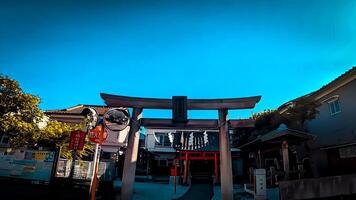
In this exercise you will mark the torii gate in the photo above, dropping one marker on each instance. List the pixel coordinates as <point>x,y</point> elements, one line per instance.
<point>180,108</point>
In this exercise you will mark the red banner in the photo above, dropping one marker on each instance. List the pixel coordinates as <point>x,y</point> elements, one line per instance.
<point>77,140</point>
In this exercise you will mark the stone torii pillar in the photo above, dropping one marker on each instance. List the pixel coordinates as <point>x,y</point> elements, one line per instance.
<point>128,177</point>
<point>225,157</point>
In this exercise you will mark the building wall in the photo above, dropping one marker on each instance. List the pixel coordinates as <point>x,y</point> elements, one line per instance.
<point>163,156</point>
<point>333,130</point>
<point>339,128</point>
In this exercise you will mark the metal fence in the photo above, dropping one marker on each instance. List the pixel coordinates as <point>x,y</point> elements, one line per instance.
<point>36,165</point>
<point>84,169</point>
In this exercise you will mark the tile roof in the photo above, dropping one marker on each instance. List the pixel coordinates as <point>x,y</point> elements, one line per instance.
<point>77,110</point>
<point>351,72</point>
<point>281,132</point>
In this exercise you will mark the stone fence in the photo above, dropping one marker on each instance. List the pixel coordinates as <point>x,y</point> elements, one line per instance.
<point>318,187</point>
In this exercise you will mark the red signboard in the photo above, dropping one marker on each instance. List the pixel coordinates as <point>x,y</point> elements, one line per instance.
<point>77,140</point>
<point>98,134</point>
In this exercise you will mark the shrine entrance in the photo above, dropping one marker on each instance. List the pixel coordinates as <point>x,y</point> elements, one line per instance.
<point>202,171</point>
<point>203,165</point>
<point>180,106</point>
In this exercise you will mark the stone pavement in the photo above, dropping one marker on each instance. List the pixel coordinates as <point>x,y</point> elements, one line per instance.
<point>198,192</point>
<point>239,193</point>
<point>154,191</point>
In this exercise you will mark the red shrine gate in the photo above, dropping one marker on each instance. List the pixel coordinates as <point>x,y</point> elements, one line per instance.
<point>179,106</point>
<point>188,156</point>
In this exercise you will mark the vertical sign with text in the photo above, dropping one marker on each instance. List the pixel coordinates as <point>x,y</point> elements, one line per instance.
<point>77,140</point>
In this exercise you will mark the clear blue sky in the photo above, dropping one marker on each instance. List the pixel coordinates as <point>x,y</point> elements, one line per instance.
<point>67,52</point>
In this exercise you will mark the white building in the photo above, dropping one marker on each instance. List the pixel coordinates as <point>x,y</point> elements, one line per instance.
<point>157,142</point>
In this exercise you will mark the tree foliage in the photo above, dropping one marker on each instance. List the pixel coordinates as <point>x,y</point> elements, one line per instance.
<point>295,115</point>
<point>19,112</point>
<point>267,120</point>
<point>299,111</point>
<point>24,121</point>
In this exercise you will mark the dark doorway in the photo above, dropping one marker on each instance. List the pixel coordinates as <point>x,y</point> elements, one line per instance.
<point>202,181</point>
<point>202,171</point>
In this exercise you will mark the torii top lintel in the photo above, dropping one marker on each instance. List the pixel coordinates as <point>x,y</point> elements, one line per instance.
<point>192,104</point>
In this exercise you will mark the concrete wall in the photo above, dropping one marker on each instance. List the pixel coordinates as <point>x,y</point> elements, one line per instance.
<point>319,161</point>
<point>318,187</point>
<point>339,128</point>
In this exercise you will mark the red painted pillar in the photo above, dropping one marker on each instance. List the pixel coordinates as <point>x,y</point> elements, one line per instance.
<point>186,168</point>
<point>175,178</point>
<point>216,168</point>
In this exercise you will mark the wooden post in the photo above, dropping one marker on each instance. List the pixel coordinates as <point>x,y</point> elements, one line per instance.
<point>128,177</point>
<point>259,159</point>
<point>57,155</point>
<point>216,172</point>
<point>186,169</point>
<point>225,157</point>
<point>285,159</point>
<point>94,178</point>
<point>72,168</point>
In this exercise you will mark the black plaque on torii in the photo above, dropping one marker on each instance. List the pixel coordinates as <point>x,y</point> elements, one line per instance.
<point>179,109</point>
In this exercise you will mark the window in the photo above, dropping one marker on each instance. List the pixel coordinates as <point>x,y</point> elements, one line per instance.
<point>4,139</point>
<point>162,140</point>
<point>162,163</point>
<point>334,107</point>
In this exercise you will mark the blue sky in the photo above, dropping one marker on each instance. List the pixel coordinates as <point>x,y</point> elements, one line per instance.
<point>67,52</point>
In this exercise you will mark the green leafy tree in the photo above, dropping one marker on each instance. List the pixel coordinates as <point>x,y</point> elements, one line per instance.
<point>295,116</point>
<point>25,123</point>
<point>267,120</point>
<point>299,111</point>
<point>19,112</point>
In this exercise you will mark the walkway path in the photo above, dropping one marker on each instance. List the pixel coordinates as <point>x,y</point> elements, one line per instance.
<point>198,192</point>
<point>154,191</point>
